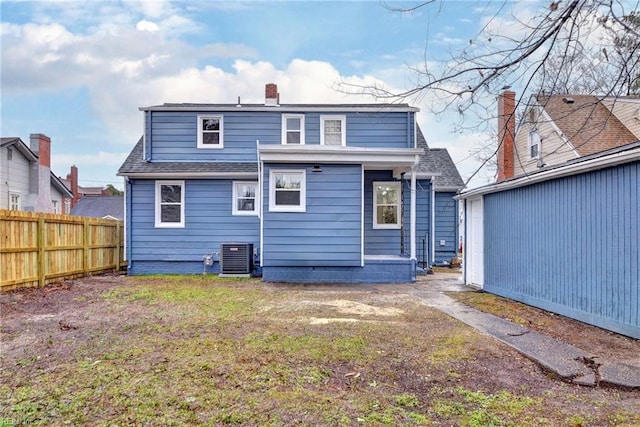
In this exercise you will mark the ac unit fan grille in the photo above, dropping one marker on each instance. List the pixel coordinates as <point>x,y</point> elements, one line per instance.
<point>236,258</point>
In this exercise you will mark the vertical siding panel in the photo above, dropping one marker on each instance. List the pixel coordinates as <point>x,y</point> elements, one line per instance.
<point>570,245</point>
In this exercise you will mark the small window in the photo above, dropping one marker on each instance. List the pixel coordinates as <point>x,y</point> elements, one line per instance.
<point>15,201</point>
<point>333,130</point>
<point>210,132</point>
<point>386,204</point>
<point>56,206</point>
<point>534,144</point>
<point>287,191</point>
<point>9,154</point>
<point>293,129</point>
<point>245,201</point>
<point>169,203</point>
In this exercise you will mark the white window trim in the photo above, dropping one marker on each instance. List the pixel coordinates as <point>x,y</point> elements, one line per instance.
<point>19,196</point>
<point>532,132</point>
<point>396,184</point>
<point>302,207</point>
<point>158,222</point>
<point>235,210</point>
<point>284,127</point>
<point>56,206</point>
<point>343,119</point>
<point>221,131</point>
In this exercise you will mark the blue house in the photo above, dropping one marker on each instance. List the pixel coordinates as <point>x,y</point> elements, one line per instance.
<point>565,238</point>
<point>297,193</point>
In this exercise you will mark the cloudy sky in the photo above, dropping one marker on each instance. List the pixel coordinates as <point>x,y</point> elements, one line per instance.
<point>78,71</point>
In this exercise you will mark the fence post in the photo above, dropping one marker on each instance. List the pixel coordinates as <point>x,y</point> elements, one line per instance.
<point>85,246</point>
<point>41,243</point>
<point>117,248</point>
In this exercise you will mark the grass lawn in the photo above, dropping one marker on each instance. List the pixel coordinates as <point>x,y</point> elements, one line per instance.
<point>192,350</point>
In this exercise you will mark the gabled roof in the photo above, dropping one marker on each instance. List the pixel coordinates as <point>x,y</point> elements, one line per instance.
<point>135,166</point>
<point>586,122</point>
<point>23,148</point>
<point>19,145</point>
<point>100,207</point>
<point>437,163</point>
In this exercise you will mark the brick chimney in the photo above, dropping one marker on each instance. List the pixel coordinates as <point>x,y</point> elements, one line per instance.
<point>39,199</point>
<point>271,95</point>
<point>72,177</point>
<point>506,134</point>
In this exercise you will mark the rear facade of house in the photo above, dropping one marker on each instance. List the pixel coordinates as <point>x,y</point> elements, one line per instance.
<point>301,193</point>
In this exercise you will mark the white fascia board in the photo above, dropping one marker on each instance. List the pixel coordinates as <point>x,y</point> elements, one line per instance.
<point>285,108</point>
<point>345,155</point>
<point>558,172</point>
<point>190,175</point>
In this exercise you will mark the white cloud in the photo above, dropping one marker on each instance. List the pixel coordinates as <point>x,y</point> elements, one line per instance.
<point>145,25</point>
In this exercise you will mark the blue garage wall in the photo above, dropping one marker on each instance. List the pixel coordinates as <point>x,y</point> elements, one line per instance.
<point>328,233</point>
<point>570,246</point>
<point>208,223</point>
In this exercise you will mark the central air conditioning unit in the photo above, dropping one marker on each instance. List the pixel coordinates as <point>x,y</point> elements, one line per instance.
<point>236,259</point>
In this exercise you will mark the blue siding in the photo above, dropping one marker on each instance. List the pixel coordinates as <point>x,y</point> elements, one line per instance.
<point>328,233</point>
<point>208,223</point>
<point>423,220</point>
<point>570,245</point>
<point>172,136</point>
<point>378,241</point>
<point>446,223</point>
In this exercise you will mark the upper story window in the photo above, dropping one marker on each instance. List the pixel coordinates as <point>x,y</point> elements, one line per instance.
<point>169,203</point>
<point>333,130</point>
<point>386,204</point>
<point>210,132</point>
<point>534,144</point>
<point>56,206</point>
<point>245,201</point>
<point>15,201</point>
<point>9,154</point>
<point>287,191</point>
<point>293,129</point>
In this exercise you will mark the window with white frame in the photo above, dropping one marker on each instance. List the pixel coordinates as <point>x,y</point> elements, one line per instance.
<point>287,191</point>
<point>15,201</point>
<point>170,203</point>
<point>293,129</point>
<point>210,132</point>
<point>245,201</point>
<point>56,206</point>
<point>534,144</point>
<point>333,130</point>
<point>386,204</point>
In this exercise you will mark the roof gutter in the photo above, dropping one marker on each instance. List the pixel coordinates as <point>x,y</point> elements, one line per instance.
<point>557,172</point>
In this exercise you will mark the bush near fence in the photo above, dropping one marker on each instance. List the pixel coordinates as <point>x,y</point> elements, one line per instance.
<point>38,248</point>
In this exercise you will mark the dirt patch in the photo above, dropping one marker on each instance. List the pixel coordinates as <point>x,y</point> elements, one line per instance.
<point>188,350</point>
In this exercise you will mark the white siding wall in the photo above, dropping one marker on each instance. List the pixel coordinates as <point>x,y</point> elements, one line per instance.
<point>14,176</point>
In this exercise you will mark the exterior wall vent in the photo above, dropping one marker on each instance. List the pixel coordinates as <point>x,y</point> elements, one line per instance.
<point>236,259</point>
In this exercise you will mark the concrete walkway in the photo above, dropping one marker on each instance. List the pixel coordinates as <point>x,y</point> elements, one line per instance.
<point>564,360</point>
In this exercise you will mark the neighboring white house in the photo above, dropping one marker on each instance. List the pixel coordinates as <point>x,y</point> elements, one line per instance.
<point>26,180</point>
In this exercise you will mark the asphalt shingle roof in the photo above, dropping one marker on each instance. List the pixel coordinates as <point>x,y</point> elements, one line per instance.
<point>586,122</point>
<point>100,206</point>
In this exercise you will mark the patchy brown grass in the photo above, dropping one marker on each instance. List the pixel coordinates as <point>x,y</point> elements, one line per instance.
<point>197,350</point>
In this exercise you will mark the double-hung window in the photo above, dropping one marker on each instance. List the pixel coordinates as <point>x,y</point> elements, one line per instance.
<point>287,191</point>
<point>333,130</point>
<point>245,201</point>
<point>170,203</point>
<point>534,144</point>
<point>56,206</point>
<point>293,129</point>
<point>15,202</point>
<point>386,204</point>
<point>210,132</point>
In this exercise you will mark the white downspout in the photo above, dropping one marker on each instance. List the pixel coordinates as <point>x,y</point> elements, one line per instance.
<point>413,209</point>
<point>261,197</point>
<point>433,221</point>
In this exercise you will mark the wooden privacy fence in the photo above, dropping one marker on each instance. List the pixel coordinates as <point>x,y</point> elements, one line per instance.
<point>39,248</point>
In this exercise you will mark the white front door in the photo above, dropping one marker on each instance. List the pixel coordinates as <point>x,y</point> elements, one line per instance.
<point>475,243</point>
